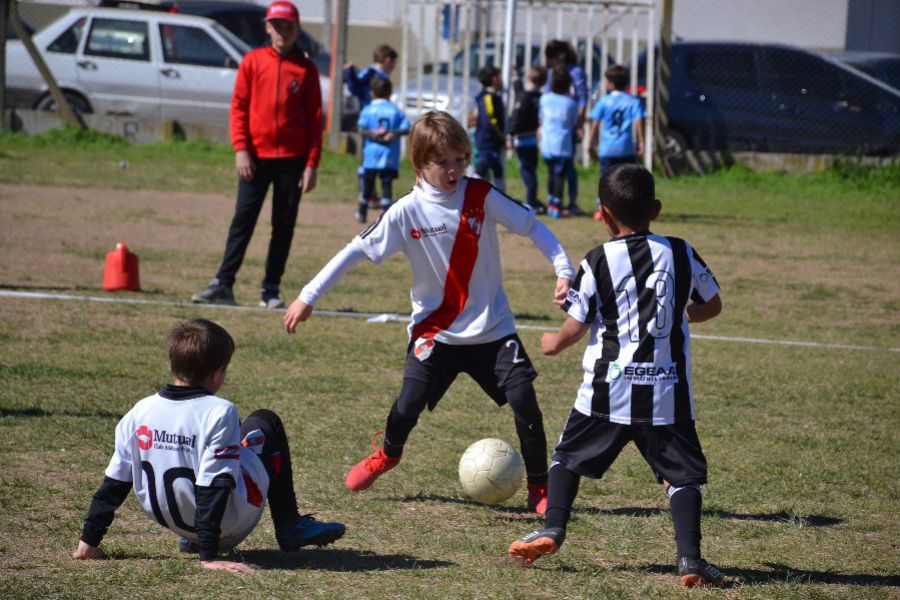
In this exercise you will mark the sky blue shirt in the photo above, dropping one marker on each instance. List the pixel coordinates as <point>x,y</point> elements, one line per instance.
<point>618,111</point>
<point>381,113</point>
<point>559,118</point>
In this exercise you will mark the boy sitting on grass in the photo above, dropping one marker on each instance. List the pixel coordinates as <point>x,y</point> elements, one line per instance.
<point>461,321</point>
<point>636,295</point>
<point>195,469</point>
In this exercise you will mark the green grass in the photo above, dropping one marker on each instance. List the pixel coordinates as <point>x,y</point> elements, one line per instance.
<point>803,492</point>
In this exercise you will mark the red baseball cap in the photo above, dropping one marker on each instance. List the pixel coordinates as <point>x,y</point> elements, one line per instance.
<point>283,10</point>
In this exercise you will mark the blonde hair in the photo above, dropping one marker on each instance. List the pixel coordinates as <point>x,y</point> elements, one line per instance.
<point>432,132</point>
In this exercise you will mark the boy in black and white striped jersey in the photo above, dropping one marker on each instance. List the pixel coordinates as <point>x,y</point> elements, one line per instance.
<point>636,295</point>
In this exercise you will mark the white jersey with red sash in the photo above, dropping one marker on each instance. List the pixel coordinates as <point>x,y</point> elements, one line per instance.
<point>451,241</point>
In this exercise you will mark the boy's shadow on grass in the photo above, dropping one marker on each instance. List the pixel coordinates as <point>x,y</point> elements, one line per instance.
<point>338,559</point>
<point>421,497</point>
<point>779,517</point>
<point>778,573</point>
<point>632,511</point>
<point>34,411</point>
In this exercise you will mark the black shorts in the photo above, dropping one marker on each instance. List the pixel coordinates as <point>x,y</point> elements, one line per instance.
<point>495,366</point>
<point>589,445</point>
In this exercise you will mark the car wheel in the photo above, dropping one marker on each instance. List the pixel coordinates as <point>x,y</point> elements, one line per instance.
<point>78,104</point>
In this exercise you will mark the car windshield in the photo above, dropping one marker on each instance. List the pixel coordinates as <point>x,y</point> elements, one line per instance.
<point>236,42</point>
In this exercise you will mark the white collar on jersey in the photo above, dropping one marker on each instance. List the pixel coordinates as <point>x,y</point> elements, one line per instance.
<point>433,194</point>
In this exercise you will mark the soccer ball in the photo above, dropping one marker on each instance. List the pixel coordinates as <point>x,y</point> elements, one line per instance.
<point>491,471</point>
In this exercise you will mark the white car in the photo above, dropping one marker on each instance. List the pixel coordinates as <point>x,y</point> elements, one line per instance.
<point>146,64</point>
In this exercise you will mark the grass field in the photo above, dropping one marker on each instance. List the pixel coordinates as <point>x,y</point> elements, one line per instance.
<point>801,440</point>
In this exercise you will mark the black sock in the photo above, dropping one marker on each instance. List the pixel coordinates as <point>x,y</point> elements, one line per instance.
<point>685,505</point>
<point>562,489</point>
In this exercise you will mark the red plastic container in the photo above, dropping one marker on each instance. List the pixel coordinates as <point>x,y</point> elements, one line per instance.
<point>121,270</point>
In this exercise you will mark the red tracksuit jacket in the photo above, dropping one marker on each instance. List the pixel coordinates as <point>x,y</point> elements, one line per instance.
<point>276,107</point>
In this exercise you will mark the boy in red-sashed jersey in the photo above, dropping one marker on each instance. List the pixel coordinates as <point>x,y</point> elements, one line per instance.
<point>461,321</point>
<point>195,468</point>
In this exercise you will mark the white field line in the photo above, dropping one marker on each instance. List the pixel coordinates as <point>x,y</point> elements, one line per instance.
<point>395,318</point>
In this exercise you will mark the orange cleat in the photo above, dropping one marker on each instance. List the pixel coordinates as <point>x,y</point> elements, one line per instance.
<point>543,542</point>
<point>365,472</point>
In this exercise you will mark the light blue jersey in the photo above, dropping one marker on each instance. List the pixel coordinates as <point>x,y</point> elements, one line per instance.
<point>559,118</point>
<point>618,111</point>
<point>381,114</point>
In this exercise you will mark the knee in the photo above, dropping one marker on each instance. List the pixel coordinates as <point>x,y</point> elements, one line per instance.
<point>523,401</point>
<point>264,419</point>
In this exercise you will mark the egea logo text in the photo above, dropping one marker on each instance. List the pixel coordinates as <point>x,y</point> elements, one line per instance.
<point>145,437</point>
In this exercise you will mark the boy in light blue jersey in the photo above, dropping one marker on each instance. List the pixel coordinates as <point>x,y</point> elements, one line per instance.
<point>384,59</point>
<point>622,118</point>
<point>381,124</point>
<point>559,126</point>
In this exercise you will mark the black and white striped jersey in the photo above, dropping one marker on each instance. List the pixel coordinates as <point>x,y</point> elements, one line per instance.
<point>633,291</point>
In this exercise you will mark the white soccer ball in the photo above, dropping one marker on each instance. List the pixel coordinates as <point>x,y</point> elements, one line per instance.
<point>491,471</point>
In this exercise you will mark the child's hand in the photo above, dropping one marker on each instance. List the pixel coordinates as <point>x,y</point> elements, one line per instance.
<point>87,552</point>
<point>549,343</point>
<point>562,290</point>
<point>225,565</point>
<point>388,136</point>
<point>297,312</point>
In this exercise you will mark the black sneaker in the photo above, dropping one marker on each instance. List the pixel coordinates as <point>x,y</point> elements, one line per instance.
<point>188,545</point>
<point>216,293</point>
<point>306,531</point>
<point>539,207</point>
<point>697,572</point>
<point>542,542</point>
<point>270,300</point>
<point>360,214</point>
<point>575,210</point>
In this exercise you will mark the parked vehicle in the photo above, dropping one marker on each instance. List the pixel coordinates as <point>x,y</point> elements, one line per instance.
<point>775,98</point>
<point>244,19</point>
<point>884,66</point>
<point>11,32</point>
<point>148,64</point>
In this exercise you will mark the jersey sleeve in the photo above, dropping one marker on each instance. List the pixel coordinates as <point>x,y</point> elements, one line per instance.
<point>581,301</point>
<point>402,121</point>
<point>221,453</point>
<point>597,112</point>
<point>382,239</point>
<point>122,462</point>
<point>704,282</point>
<point>513,215</point>
<point>363,120</point>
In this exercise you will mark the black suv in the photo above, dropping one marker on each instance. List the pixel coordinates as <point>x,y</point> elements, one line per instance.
<point>765,97</point>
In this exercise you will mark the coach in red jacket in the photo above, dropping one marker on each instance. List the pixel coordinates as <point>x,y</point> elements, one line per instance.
<point>276,132</point>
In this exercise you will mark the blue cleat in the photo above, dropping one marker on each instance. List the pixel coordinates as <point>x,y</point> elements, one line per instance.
<point>306,531</point>
<point>188,545</point>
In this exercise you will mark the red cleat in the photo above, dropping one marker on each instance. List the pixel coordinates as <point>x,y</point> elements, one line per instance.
<point>537,497</point>
<point>365,472</point>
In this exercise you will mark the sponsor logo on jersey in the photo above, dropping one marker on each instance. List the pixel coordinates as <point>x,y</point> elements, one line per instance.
<point>642,373</point>
<point>226,453</point>
<point>295,87</point>
<point>144,437</point>
<point>163,440</point>
<point>424,232</point>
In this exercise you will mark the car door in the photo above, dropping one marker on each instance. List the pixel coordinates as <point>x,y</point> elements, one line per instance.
<point>818,107</point>
<point>197,75</point>
<point>716,99</point>
<point>116,68</point>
